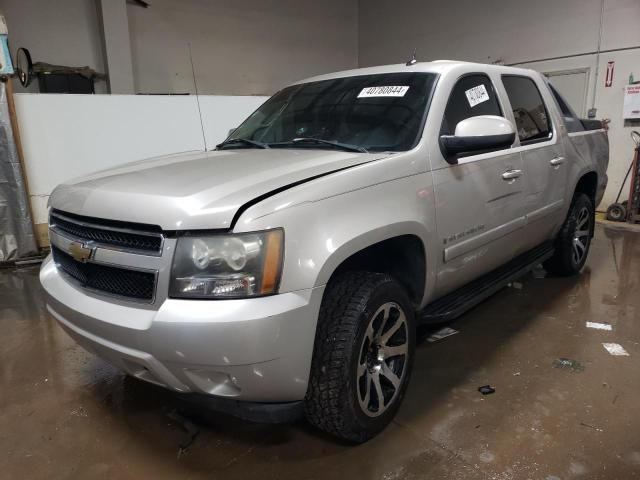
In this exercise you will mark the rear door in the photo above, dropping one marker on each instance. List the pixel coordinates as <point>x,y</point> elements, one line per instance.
<point>544,163</point>
<point>479,213</point>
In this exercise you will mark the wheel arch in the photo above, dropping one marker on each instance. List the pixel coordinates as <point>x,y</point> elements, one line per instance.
<point>588,184</point>
<point>403,256</point>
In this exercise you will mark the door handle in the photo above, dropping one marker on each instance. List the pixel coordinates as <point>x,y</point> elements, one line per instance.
<point>511,174</point>
<point>557,161</point>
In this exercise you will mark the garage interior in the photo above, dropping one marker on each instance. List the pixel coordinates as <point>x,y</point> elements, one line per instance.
<point>175,76</point>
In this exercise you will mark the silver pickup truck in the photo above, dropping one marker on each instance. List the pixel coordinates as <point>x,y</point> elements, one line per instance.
<point>285,273</point>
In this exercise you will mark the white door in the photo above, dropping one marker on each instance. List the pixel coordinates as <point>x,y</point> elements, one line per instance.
<point>572,85</point>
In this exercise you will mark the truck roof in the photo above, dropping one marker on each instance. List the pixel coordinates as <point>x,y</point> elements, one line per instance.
<point>436,66</point>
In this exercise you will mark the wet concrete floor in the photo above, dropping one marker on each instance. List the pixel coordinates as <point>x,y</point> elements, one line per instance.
<point>67,414</point>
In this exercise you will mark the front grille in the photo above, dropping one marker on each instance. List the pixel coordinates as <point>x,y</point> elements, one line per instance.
<point>120,235</point>
<point>112,280</point>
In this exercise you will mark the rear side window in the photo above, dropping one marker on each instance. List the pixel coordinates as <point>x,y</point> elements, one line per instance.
<point>471,96</point>
<point>532,119</point>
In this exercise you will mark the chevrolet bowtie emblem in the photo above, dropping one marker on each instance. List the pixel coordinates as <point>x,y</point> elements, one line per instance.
<point>80,252</point>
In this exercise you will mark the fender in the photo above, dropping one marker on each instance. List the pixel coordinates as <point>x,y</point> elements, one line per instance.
<point>322,233</point>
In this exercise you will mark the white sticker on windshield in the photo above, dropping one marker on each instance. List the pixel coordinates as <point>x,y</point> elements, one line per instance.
<point>396,91</point>
<point>477,95</point>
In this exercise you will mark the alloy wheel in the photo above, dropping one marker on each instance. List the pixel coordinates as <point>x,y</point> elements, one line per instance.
<point>383,359</point>
<point>581,235</point>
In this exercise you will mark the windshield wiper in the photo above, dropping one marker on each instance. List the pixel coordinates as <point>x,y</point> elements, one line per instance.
<point>244,141</point>
<point>302,140</point>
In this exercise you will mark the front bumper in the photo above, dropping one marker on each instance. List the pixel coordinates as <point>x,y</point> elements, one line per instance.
<point>254,350</point>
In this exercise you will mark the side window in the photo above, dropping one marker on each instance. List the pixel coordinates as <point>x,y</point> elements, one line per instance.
<point>473,95</point>
<point>532,120</point>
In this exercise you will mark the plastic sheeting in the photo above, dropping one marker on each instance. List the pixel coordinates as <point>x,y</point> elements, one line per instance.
<point>16,231</point>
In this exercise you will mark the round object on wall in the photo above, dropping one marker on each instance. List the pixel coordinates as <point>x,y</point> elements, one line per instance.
<point>24,66</point>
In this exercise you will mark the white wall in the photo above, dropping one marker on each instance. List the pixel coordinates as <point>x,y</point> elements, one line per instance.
<point>66,136</point>
<point>240,47</point>
<point>63,32</point>
<point>517,31</point>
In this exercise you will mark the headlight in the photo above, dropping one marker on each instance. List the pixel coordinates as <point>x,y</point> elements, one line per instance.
<point>227,266</point>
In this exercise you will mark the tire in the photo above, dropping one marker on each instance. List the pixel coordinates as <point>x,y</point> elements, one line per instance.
<point>346,362</point>
<point>617,212</point>
<point>574,239</point>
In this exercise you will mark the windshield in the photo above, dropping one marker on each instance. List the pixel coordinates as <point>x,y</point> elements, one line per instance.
<point>382,112</point>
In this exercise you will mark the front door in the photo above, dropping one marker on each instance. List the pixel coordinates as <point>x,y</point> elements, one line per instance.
<point>478,201</point>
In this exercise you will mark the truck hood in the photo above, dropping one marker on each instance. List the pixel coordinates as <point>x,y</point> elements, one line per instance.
<point>196,190</point>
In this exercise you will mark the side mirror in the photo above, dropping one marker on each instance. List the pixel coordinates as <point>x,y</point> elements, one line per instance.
<point>483,133</point>
<point>231,131</point>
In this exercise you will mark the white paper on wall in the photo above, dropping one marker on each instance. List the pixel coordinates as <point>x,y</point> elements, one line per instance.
<point>631,107</point>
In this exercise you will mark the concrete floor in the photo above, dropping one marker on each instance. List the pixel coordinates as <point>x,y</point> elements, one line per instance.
<point>66,414</point>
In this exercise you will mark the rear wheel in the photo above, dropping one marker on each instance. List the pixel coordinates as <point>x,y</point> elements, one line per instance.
<point>362,356</point>
<point>573,241</point>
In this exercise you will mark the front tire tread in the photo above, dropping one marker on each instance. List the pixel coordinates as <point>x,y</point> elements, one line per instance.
<point>329,403</point>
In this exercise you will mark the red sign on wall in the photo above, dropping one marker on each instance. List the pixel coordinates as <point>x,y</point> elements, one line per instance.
<point>608,79</point>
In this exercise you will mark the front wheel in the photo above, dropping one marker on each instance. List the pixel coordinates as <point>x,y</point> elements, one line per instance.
<point>573,241</point>
<point>362,356</point>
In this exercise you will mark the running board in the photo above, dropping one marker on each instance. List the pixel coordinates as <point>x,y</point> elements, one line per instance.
<point>454,304</point>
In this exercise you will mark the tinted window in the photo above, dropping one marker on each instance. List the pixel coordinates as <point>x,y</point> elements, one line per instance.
<point>473,95</point>
<point>378,112</point>
<point>529,111</point>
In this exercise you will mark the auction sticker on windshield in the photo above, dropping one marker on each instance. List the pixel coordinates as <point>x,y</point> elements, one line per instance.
<point>390,91</point>
<point>477,95</point>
